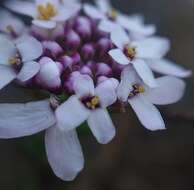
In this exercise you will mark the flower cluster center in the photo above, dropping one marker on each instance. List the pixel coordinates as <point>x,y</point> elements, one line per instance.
<point>92,102</point>
<point>113,14</point>
<point>137,89</point>
<point>15,61</point>
<point>46,12</point>
<point>130,52</point>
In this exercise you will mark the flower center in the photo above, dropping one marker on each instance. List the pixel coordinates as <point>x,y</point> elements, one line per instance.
<point>92,102</point>
<point>130,52</point>
<point>46,12</point>
<point>112,14</point>
<point>15,61</point>
<point>137,89</point>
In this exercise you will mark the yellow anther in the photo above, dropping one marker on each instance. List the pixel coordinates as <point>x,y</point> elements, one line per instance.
<point>95,101</point>
<point>141,89</point>
<point>46,12</point>
<point>131,52</point>
<point>15,61</point>
<point>113,14</point>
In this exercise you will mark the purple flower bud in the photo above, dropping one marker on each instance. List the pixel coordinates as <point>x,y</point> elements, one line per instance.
<point>52,49</point>
<point>103,46</point>
<point>103,69</point>
<point>67,61</point>
<point>76,58</point>
<point>87,52</point>
<point>83,27</point>
<point>86,70</point>
<point>73,40</point>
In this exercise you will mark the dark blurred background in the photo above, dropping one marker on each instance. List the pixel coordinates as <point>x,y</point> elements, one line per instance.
<point>136,159</point>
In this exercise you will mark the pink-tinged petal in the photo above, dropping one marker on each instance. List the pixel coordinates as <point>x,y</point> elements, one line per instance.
<point>28,71</point>
<point>45,24</point>
<point>129,77</point>
<point>101,126</point>
<point>93,12</point>
<point>167,67</point>
<point>107,26</point>
<point>49,73</point>
<point>64,153</point>
<point>83,85</point>
<point>7,50</point>
<point>147,113</point>
<point>71,114</point>
<point>169,91</point>
<point>120,38</point>
<point>144,72</point>
<point>106,91</point>
<point>18,120</point>
<point>119,56</point>
<point>7,75</point>
<point>153,47</point>
<point>104,5</point>
<point>29,48</point>
<point>22,7</point>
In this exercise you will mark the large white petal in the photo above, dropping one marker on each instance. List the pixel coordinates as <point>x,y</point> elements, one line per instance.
<point>46,24</point>
<point>18,120</point>
<point>93,12</point>
<point>107,26</point>
<point>120,38</point>
<point>169,90</point>
<point>167,67</point>
<point>28,71</point>
<point>64,153</point>
<point>104,5</point>
<point>144,72</point>
<point>101,126</point>
<point>147,113</point>
<point>71,114</point>
<point>153,47</point>
<point>7,75</point>
<point>29,48</point>
<point>106,91</point>
<point>22,7</point>
<point>7,50</point>
<point>83,85</point>
<point>119,56</point>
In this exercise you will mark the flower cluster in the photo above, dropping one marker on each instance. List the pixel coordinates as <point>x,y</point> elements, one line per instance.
<point>87,58</point>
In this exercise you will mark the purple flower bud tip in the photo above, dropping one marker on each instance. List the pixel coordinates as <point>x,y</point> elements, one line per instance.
<point>76,58</point>
<point>86,70</point>
<point>83,27</point>
<point>87,52</point>
<point>73,40</point>
<point>103,46</point>
<point>67,61</point>
<point>103,69</point>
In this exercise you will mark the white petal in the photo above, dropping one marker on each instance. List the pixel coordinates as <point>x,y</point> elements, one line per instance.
<point>167,67</point>
<point>83,85</point>
<point>119,56</point>
<point>120,38</point>
<point>104,5</point>
<point>107,26</point>
<point>29,48</point>
<point>28,71</point>
<point>7,75</point>
<point>106,91</point>
<point>18,120</point>
<point>64,153</point>
<point>101,126</point>
<point>144,72</point>
<point>129,77</point>
<point>153,47</point>
<point>7,50</point>
<point>22,7</point>
<point>93,12</point>
<point>71,114</point>
<point>45,24</point>
<point>169,90</point>
<point>147,113</point>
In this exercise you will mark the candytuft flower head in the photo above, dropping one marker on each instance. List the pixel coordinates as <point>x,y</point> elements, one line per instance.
<point>85,60</point>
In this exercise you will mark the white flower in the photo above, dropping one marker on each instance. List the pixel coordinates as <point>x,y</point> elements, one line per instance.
<point>49,73</point>
<point>10,24</point>
<point>137,52</point>
<point>111,19</point>
<point>89,104</point>
<point>17,59</point>
<point>142,98</point>
<point>63,148</point>
<point>45,13</point>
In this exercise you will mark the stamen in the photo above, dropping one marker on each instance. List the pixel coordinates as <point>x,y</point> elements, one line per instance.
<point>46,12</point>
<point>137,89</point>
<point>92,102</point>
<point>15,61</point>
<point>130,52</point>
<point>113,14</point>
